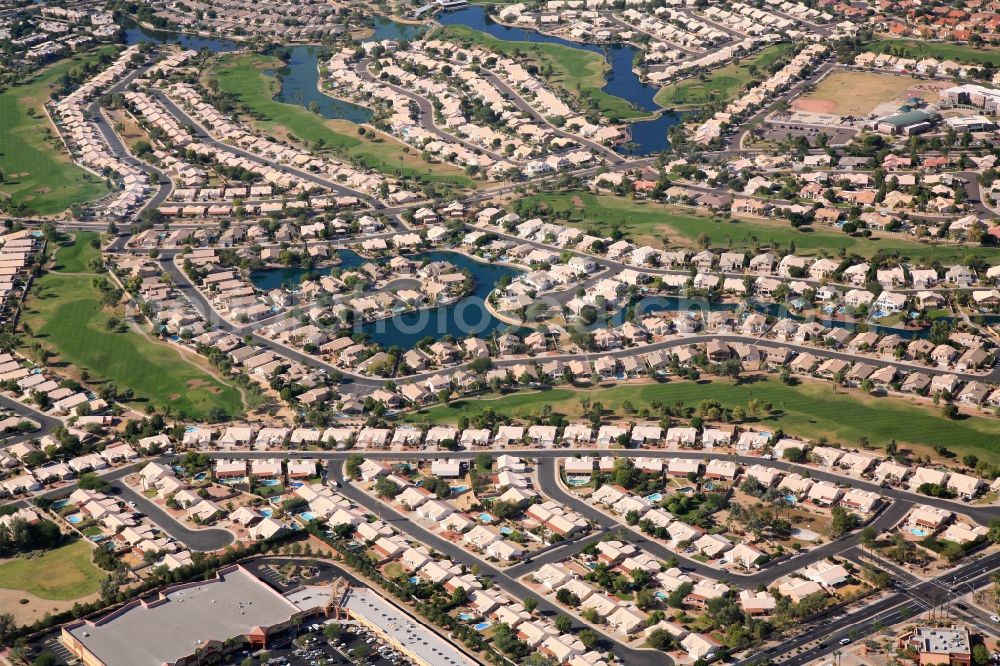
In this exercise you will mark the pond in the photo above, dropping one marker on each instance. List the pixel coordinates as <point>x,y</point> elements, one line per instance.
<point>135,34</point>
<point>648,136</point>
<point>299,80</point>
<point>386,28</point>
<point>468,316</point>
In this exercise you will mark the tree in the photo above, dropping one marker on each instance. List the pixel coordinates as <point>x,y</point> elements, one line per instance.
<point>530,604</point>
<point>45,658</point>
<point>980,655</point>
<point>793,454</point>
<point>868,536</point>
<point>386,488</point>
<point>564,624</point>
<point>90,481</point>
<point>842,521</point>
<point>676,598</point>
<point>8,628</point>
<point>353,466</point>
<point>660,639</point>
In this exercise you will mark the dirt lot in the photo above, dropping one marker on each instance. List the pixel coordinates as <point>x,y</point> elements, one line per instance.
<point>860,93</point>
<point>36,608</point>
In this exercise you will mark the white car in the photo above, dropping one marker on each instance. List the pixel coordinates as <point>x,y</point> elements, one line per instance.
<point>845,641</point>
<point>132,504</point>
<point>995,618</point>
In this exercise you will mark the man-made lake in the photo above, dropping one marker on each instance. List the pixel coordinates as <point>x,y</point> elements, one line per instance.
<point>299,80</point>
<point>649,136</point>
<point>386,28</point>
<point>468,316</point>
<point>135,34</point>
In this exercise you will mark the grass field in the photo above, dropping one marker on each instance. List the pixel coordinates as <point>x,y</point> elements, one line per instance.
<point>575,70</point>
<point>242,76</point>
<point>847,93</point>
<point>721,84</point>
<point>36,168</point>
<point>665,225</point>
<point>64,573</point>
<point>66,316</point>
<point>810,409</point>
<point>940,50</point>
<point>74,257</point>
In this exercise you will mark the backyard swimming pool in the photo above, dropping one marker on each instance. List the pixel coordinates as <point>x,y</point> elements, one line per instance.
<point>654,497</point>
<point>58,504</point>
<point>75,518</point>
<point>270,482</point>
<point>916,531</point>
<point>482,626</point>
<point>458,490</point>
<point>485,518</point>
<point>267,513</point>
<point>578,480</point>
<point>307,515</point>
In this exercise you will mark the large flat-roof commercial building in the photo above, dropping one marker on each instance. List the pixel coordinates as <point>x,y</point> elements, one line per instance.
<point>908,123</point>
<point>185,622</point>
<point>420,644</point>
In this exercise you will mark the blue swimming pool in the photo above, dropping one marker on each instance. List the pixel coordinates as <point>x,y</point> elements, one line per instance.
<point>485,518</point>
<point>466,617</point>
<point>307,515</point>
<point>459,489</point>
<point>654,497</point>
<point>75,518</point>
<point>267,513</point>
<point>661,596</point>
<point>58,504</point>
<point>709,486</point>
<point>200,476</point>
<point>482,626</point>
<point>506,530</point>
<point>414,579</point>
<point>270,482</point>
<point>916,531</point>
<point>578,480</point>
<point>791,499</point>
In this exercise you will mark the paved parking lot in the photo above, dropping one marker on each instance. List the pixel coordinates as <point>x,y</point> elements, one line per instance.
<point>317,651</point>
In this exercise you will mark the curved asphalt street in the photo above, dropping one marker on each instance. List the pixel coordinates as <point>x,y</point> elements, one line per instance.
<point>46,424</point>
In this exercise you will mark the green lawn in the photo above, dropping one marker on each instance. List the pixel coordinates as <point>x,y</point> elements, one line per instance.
<point>665,225</point>
<point>578,71</point>
<point>66,316</point>
<point>721,84</point>
<point>75,257</point>
<point>36,169</point>
<point>940,50</point>
<point>63,574</point>
<point>811,410</point>
<point>242,75</point>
